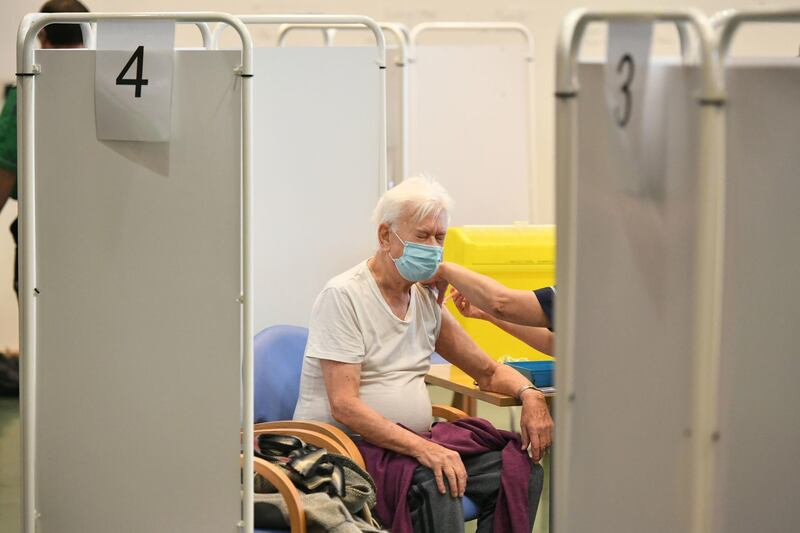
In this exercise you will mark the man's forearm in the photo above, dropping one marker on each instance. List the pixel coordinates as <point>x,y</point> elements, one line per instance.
<point>505,380</point>
<point>362,419</point>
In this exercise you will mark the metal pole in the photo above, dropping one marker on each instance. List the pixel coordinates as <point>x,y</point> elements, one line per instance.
<point>728,23</point>
<point>89,32</point>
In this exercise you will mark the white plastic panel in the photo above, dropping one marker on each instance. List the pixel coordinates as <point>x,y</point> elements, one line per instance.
<point>628,453</point>
<point>758,468</point>
<point>469,128</point>
<point>316,173</point>
<point>139,327</point>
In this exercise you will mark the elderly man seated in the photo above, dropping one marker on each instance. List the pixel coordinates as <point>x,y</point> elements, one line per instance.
<point>372,332</point>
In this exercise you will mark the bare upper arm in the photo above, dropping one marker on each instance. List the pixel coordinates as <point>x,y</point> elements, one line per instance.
<point>342,380</point>
<point>455,345</point>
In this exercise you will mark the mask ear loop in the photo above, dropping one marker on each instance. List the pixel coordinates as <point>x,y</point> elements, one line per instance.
<point>398,238</point>
<point>404,248</point>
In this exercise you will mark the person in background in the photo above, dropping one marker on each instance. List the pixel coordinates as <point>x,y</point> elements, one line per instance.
<point>53,36</point>
<point>527,315</point>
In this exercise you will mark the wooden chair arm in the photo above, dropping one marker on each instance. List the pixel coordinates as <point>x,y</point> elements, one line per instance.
<point>323,428</point>
<point>308,436</point>
<point>451,414</point>
<point>285,487</point>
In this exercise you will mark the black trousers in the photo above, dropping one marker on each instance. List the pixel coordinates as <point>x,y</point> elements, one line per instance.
<point>433,512</point>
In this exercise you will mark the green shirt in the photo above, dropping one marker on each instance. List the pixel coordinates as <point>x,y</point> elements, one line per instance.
<point>8,136</point>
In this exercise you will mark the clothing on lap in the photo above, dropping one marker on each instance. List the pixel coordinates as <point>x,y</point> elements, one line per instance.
<point>520,480</point>
<point>431,511</point>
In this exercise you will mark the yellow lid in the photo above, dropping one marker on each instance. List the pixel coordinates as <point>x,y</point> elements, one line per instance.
<point>501,246</point>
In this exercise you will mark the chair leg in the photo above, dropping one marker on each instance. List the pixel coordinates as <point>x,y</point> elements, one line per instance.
<point>466,403</point>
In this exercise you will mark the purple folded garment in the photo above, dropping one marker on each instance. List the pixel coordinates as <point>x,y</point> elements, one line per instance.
<point>392,473</point>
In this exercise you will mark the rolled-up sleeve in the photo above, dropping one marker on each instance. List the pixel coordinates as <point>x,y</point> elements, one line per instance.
<point>547,297</point>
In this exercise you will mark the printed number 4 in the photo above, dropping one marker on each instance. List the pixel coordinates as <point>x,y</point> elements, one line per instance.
<point>624,114</point>
<point>138,81</point>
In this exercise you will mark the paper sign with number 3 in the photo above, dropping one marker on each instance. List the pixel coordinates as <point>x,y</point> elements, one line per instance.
<point>625,85</point>
<point>133,80</point>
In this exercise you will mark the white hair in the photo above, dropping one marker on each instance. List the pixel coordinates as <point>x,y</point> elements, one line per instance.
<point>415,198</point>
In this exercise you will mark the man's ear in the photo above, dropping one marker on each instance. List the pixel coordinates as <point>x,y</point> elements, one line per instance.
<point>384,234</point>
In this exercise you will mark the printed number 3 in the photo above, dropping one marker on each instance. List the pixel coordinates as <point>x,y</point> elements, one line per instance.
<point>624,111</point>
<point>138,81</point>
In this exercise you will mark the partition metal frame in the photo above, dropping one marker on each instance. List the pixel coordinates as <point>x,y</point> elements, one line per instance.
<point>708,303</point>
<point>728,22</point>
<point>89,31</point>
<point>331,20</point>
<point>513,27</point>
<point>27,70</point>
<point>423,27</point>
<point>402,37</point>
<point>400,31</point>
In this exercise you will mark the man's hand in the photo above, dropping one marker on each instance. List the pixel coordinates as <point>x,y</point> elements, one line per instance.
<point>465,307</point>
<point>444,463</point>
<point>536,425</point>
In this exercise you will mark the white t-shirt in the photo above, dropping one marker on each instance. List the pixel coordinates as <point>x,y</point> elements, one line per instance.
<point>352,323</point>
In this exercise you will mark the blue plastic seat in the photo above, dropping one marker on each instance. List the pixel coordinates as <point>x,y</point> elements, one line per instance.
<point>277,363</point>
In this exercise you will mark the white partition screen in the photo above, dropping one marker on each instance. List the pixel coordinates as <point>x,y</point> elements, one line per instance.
<point>469,126</point>
<point>635,272</point>
<point>758,471</point>
<point>317,173</point>
<point>138,328</point>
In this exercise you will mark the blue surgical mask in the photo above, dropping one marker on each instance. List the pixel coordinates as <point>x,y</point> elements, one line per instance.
<point>419,261</point>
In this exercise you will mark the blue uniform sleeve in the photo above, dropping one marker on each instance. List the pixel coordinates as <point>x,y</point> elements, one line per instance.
<point>547,297</point>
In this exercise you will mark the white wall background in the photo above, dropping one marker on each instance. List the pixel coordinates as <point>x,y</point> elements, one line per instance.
<point>541,16</point>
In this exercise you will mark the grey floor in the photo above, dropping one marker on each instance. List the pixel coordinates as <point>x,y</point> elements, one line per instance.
<point>10,461</point>
<point>9,465</point>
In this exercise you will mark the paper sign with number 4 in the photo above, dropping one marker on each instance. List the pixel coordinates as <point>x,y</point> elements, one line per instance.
<point>133,80</point>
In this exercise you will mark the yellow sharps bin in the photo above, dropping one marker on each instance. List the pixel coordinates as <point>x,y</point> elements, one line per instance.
<point>520,257</point>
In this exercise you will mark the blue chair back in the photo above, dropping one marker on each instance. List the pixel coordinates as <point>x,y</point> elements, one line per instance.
<point>277,362</point>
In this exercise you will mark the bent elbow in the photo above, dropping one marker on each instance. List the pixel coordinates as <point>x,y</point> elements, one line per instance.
<point>485,376</point>
<point>340,411</point>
